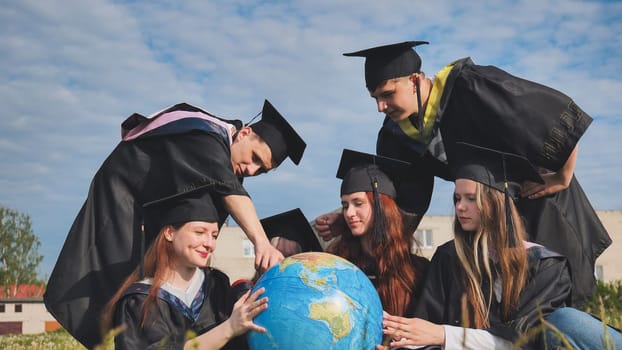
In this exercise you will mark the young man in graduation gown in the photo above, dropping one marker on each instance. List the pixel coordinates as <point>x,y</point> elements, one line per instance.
<point>177,150</point>
<point>484,105</point>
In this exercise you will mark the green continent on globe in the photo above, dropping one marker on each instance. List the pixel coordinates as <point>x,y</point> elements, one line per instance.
<point>339,322</point>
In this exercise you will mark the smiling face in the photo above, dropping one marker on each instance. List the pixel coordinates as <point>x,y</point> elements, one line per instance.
<point>250,155</point>
<point>465,204</point>
<point>357,211</point>
<point>192,243</point>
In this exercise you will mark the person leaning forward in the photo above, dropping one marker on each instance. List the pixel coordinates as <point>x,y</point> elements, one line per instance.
<point>175,151</point>
<point>426,118</point>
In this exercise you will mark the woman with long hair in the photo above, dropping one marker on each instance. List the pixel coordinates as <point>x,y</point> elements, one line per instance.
<point>174,291</point>
<point>375,236</point>
<point>489,288</point>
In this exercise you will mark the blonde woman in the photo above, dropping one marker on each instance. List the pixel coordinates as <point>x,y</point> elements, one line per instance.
<point>486,288</point>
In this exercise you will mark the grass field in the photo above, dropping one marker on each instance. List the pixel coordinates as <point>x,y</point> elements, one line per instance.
<point>605,304</point>
<point>57,340</point>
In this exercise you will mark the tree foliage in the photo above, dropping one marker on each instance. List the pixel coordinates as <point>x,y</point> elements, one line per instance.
<point>19,251</point>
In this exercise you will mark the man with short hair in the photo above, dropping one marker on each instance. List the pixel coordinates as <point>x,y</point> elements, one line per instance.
<point>175,151</point>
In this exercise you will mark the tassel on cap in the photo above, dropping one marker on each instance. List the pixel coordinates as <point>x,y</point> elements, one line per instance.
<point>509,224</point>
<point>379,219</point>
<point>141,272</point>
<point>419,116</point>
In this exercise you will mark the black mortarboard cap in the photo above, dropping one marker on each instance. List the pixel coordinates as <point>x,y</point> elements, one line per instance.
<point>389,61</point>
<point>502,171</point>
<point>361,172</point>
<point>192,206</point>
<point>279,135</point>
<point>494,168</point>
<point>294,226</point>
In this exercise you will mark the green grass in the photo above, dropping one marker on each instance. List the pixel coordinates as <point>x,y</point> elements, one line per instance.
<point>57,340</point>
<point>608,296</point>
<point>606,303</point>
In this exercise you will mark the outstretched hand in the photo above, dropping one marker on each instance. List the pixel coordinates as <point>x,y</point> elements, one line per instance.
<point>245,310</point>
<point>553,183</point>
<point>266,255</point>
<point>241,320</point>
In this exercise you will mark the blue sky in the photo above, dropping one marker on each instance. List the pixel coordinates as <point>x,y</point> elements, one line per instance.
<point>72,71</point>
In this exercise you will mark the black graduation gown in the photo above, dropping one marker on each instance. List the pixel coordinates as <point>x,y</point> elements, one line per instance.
<point>548,288</point>
<point>104,243</point>
<point>486,106</point>
<point>166,326</point>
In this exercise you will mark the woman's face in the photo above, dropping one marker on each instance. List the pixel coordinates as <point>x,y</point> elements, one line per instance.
<point>357,212</point>
<point>193,243</point>
<point>465,203</point>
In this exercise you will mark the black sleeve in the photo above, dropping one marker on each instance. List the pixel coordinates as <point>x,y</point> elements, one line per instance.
<point>217,307</point>
<point>492,108</point>
<point>158,331</point>
<point>184,162</point>
<point>433,302</point>
<point>548,288</point>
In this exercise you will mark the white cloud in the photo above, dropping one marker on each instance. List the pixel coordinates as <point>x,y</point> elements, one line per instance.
<point>73,70</point>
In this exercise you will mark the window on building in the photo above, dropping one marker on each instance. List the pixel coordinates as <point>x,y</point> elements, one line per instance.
<point>248,249</point>
<point>18,307</point>
<point>599,272</point>
<point>424,238</point>
<point>2,309</point>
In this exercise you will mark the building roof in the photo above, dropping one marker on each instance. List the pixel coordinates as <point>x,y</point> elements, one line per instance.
<point>22,291</point>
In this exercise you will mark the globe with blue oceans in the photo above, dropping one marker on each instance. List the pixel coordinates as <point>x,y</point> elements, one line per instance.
<point>317,301</point>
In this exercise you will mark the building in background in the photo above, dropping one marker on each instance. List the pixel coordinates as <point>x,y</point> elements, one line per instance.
<point>24,312</point>
<point>609,264</point>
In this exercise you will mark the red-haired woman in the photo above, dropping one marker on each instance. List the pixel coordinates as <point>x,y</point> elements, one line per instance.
<point>179,292</point>
<point>375,236</point>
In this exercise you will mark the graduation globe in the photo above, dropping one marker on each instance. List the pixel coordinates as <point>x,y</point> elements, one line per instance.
<point>317,301</point>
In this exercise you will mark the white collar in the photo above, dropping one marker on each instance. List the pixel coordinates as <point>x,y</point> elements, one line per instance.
<point>187,295</point>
